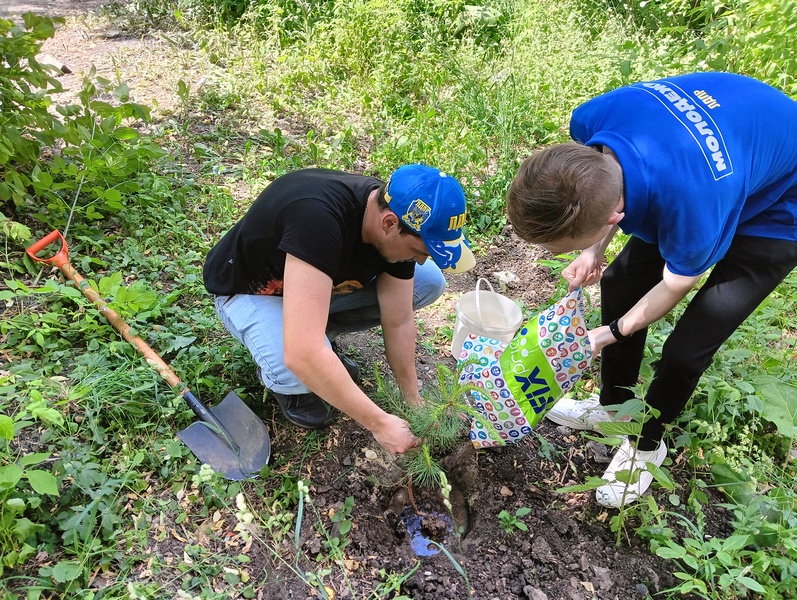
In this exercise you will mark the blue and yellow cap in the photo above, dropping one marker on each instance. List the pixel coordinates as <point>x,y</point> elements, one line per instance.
<point>432,204</point>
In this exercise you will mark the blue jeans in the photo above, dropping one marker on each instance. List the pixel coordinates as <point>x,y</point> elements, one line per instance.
<point>256,322</point>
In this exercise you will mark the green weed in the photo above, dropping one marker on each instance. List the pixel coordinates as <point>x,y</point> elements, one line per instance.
<point>627,422</point>
<point>511,522</point>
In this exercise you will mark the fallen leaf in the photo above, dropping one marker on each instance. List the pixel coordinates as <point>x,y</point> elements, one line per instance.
<point>351,565</point>
<point>506,492</point>
<point>218,525</point>
<point>178,537</point>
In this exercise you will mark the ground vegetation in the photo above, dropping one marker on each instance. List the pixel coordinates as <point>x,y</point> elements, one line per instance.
<point>172,116</point>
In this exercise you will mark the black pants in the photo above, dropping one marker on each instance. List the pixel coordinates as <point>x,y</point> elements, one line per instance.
<point>752,268</point>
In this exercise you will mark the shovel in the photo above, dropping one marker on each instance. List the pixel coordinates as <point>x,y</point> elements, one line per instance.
<point>230,437</point>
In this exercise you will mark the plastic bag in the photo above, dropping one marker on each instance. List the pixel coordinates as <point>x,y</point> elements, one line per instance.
<point>521,380</point>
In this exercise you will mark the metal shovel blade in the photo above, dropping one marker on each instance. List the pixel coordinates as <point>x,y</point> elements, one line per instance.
<point>246,431</point>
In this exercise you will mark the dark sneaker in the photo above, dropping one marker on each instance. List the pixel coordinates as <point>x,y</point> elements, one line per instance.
<point>351,366</point>
<point>307,411</point>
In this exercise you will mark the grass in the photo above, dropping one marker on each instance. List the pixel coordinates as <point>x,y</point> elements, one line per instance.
<point>90,471</point>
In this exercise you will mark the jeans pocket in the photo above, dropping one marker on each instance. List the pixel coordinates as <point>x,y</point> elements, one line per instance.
<point>222,302</point>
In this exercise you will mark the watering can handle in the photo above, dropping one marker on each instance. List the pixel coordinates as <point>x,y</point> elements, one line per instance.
<point>478,296</point>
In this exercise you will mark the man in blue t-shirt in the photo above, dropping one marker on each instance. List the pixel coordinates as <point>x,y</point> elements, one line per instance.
<point>701,171</point>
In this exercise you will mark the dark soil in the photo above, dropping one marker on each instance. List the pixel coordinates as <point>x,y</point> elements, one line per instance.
<point>568,552</point>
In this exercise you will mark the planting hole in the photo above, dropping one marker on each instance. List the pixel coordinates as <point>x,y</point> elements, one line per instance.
<point>424,529</point>
<point>435,523</point>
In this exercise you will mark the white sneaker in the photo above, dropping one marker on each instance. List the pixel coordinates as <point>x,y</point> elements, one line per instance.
<point>616,493</point>
<point>578,414</point>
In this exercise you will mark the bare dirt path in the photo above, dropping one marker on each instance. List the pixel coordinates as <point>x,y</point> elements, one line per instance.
<point>51,8</point>
<point>149,65</point>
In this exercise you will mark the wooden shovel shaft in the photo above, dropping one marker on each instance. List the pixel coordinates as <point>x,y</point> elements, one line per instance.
<point>61,260</point>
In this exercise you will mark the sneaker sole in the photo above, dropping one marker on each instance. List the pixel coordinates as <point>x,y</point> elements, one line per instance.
<point>571,423</point>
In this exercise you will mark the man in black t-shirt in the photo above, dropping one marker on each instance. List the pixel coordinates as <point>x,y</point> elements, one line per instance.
<point>323,252</point>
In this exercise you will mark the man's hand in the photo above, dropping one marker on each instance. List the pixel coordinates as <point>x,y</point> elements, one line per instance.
<point>599,338</point>
<point>584,270</point>
<point>588,267</point>
<point>415,400</point>
<point>394,435</point>
<point>650,308</point>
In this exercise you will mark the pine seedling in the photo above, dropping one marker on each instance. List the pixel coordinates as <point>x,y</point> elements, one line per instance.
<point>441,421</point>
<point>422,468</point>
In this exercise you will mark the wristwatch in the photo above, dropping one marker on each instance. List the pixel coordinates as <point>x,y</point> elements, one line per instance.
<point>613,327</point>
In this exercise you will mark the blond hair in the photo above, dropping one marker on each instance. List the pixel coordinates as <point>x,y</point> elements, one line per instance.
<point>566,190</point>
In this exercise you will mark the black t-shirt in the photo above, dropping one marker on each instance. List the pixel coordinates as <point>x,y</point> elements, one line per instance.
<point>315,215</point>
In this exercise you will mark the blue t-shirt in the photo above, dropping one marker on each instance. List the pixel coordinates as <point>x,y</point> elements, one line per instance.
<point>705,156</point>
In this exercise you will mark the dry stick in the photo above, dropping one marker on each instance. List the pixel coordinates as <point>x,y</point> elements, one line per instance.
<point>567,464</point>
<point>68,223</point>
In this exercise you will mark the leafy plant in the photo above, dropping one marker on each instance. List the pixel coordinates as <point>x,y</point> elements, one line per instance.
<point>627,422</point>
<point>748,37</point>
<point>715,564</point>
<point>23,488</point>
<point>393,583</point>
<point>95,156</point>
<point>510,522</point>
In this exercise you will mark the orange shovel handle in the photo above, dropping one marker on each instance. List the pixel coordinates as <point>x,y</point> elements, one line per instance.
<point>58,258</point>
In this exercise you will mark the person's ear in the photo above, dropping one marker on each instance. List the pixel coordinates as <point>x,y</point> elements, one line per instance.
<point>615,218</point>
<point>388,221</point>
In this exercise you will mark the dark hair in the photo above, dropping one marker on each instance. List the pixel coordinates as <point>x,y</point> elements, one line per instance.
<point>383,206</point>
<point>566,190</point>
